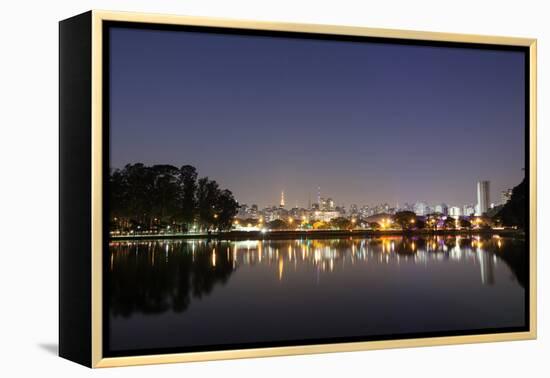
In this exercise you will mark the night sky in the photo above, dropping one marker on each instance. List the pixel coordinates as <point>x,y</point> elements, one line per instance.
<point>368,122</point>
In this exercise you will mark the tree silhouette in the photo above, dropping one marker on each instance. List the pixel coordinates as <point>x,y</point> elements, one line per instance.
<point>188,183</point>
<point>513,212</point>
<point>405,219</point>
<point>142,197</point>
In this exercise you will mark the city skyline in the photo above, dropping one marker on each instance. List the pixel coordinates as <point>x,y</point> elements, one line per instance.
<point>368,122</point>
<point>283,201</point>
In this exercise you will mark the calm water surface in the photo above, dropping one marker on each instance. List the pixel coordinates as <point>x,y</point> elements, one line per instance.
<point>198,293</point>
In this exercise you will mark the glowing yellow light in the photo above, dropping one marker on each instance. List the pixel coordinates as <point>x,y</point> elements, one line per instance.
<point>290,220</point>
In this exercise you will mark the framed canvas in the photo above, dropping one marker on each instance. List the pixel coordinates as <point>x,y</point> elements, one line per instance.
<point>235,189</point>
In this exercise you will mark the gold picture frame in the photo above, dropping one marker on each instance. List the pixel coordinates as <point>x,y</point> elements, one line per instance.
<point>96,19</point>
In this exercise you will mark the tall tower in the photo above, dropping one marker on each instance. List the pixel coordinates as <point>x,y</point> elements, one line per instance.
<point>282,199</point>
<point>319,196</point>
<point>483,199</point>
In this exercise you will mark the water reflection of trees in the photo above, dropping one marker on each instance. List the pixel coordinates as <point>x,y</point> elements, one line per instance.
<point>154,277</point>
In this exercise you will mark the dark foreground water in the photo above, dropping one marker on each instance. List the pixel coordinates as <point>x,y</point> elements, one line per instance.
<point>196,294</point>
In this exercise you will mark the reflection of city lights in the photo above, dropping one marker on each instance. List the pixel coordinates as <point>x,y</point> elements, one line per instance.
<point>326,255</point>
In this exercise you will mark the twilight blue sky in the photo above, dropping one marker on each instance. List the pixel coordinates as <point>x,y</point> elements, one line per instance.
<point>368,122</point>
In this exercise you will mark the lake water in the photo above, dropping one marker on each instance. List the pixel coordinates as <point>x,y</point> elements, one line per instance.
<point>200,295</point>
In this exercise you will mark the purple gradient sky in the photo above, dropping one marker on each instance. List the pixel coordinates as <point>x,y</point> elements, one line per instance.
<point>368,122</point>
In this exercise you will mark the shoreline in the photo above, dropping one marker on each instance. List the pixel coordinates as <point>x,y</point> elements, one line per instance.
<point>317,234</point>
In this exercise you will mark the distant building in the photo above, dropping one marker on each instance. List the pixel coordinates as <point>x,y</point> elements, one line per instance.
<point>282,204</point>
<point>365,211</point>
<point>407,207</point>
<point>441,208</point>
<point>468,210</point>
<point>505,196</point>
<point>421,208</point>
<point>325,216</point>
<point>483,198</point>
<point>455,212</point>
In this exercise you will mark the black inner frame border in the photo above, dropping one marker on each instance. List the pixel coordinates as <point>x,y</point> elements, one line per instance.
<point>106,27</point>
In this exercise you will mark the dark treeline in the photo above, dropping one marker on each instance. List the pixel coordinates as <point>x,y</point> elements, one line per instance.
<point>163,196</point>
<point>513,213</point>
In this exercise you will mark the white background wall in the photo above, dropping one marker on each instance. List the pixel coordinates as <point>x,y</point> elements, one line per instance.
<point>28,185</point>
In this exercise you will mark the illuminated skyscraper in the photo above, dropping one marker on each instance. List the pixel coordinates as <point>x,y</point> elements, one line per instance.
<point>483,198</point>
<point>282,199</point>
